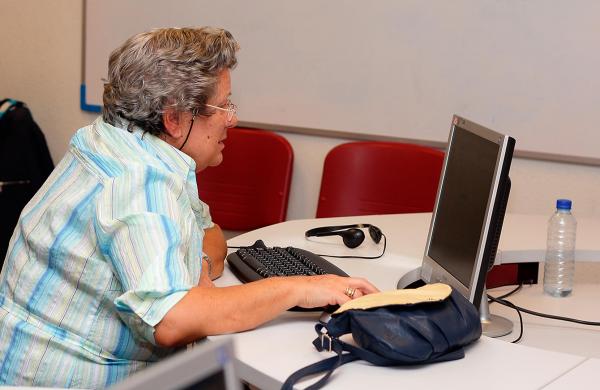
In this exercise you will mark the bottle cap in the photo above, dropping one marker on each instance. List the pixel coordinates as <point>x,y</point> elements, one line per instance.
<point>563,204</point>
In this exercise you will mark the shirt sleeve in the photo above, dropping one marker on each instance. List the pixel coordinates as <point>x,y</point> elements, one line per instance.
<point>149,233</point>
<point>203,216</point>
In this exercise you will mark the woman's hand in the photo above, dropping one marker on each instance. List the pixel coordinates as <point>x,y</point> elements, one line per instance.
<point>323,290</point>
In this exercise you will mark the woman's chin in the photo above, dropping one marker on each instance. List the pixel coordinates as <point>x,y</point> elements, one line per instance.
<point>217,160</point>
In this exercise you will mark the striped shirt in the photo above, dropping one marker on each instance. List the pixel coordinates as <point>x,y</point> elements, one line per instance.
<point>106,247</point>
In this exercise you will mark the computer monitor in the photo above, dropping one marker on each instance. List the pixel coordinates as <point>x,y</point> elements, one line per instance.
<point>469,209</point>
<point>207,366</point>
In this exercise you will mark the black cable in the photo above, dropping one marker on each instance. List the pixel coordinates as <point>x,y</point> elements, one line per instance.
<point>520,328</point>
<point>512,306</point>
<point>520,309</point>
<point>189,131</point>
<point>508,294</point>
<point>360,257</point>
<point>550,316</point>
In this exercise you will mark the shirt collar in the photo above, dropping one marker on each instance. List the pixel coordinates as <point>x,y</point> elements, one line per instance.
<point>118,138</point>
<point>176,159</point>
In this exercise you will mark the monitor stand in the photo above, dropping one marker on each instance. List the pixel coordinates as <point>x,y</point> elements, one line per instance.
<point>491,325</point>
<point>411,279</point>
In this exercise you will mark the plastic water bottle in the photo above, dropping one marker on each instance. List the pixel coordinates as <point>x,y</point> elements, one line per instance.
<point>559,267</point>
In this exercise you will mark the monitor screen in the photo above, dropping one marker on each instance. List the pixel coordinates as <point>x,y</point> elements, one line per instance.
<point>468,213</point>
<point>208,365</point>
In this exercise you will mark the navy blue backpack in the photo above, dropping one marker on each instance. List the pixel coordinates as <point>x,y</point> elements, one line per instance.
<point>400,334</point>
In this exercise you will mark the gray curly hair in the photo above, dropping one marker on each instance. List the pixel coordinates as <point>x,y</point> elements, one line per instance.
<point>165,68</point>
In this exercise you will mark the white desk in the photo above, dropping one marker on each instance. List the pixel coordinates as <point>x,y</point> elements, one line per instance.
<point>559,335</point>
<point>584,375</point>
<point>267,355</point>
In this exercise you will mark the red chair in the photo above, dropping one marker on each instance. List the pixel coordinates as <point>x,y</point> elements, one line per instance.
<point>250,188</point>
<point>362,178</point>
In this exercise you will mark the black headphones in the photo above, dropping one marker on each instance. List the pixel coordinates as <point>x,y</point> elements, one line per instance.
<point>351,234</point>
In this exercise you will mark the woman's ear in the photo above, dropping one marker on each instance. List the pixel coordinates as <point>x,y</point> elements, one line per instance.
<point>172,120</point>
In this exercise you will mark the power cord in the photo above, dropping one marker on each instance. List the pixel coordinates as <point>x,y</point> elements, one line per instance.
<point>508,294</point>
<point>520,309</point>
<point>517,309</point>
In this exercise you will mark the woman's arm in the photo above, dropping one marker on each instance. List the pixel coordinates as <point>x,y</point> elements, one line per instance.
<point>208,311</point>
<point>215,247</point>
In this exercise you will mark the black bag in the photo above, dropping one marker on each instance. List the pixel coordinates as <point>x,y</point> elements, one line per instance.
<point>397,334</point>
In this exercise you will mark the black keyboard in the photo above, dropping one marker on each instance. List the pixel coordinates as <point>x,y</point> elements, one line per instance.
<point>259,261</point>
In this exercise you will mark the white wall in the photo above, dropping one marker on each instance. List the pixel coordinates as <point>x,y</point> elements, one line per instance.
<point>40,64</point>
<point>403,73</point>
<point>535,184</point>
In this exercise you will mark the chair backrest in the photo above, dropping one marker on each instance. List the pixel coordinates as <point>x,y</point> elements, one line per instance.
<point>362,178</point>
<point>250,188</point>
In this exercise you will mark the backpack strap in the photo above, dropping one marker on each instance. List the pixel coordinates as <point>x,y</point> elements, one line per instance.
<point>6,105</point>
<point>326,365</point>
<point>327,342</point>
<point>324,342</point>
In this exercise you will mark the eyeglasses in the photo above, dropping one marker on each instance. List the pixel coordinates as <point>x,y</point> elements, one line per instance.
<point>229,107</point>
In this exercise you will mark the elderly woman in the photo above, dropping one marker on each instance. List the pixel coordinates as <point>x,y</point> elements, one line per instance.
<point>111,264</point>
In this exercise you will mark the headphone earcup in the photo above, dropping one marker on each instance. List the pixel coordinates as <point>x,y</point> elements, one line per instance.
<point>375,233</point>
<point>352,237</point>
